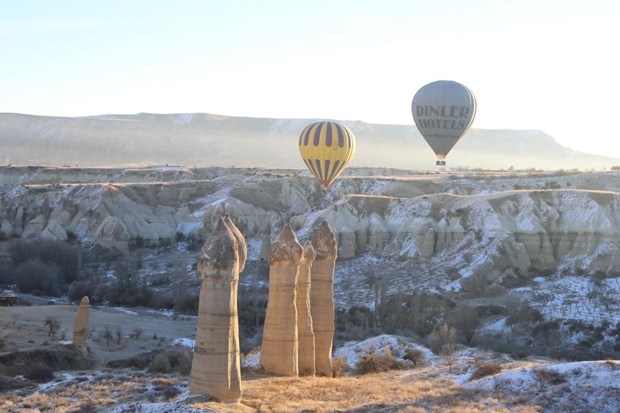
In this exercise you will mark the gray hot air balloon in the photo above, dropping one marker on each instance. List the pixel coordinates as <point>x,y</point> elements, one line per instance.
<point>443,111</point>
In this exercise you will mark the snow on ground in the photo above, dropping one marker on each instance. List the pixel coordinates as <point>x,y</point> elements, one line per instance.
<point>184,342</point>
<point>353,351</point>
<point>575,298</point>
<point>576,387</point>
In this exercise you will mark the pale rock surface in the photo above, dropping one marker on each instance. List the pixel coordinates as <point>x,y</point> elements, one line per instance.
<point>322,296</point>
<point>35,226</point>
<point>216,368</point>
<point>242,247</point>
<point>6,229</point>
<point>80,324</point>
<point>54,232</point>
<point>305,331</point>
<point>279,349</point>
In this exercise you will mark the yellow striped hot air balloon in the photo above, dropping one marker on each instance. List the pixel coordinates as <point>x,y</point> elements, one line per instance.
<point>326,148</point>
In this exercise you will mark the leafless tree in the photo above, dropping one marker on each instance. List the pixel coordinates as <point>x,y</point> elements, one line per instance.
<point>52,325</point>
<point>107,334</point>
<point>15,315</point>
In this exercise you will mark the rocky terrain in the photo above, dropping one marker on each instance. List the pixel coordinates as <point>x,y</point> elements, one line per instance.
<point>532,253</point>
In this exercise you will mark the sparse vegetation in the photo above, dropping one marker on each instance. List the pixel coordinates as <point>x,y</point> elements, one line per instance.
<point>52,324</point>
<point>375,362</point>
<point>486,369</point>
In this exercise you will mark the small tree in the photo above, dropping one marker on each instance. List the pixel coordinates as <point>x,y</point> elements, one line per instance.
<point>15,315</point>
<point>137,333</point>
<point>119,334</point>
<point>414,355</point>
<point>442,336</point>
<point>52,324</point>
<point>447,352</point>
<point>107,334</point>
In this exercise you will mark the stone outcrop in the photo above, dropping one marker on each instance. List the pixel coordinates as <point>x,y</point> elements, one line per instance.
<point>216,369</point>
<point>80,324</point>
<point>279,349</point>
<point>322,296</point>
<point>422,218</point>
<point>305,331</point>
<point>242,247</point>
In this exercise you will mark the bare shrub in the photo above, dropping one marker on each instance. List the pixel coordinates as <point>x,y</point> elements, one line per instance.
<point>52,325</point>
<point>107,334</point>
<point>160,364</point>
<point>15,315</point>
<point>180,361</point>
<point>544,376</point>
<point>137,333</point>
<point>414,355</point>
<point>486,369</point>
<point>340,367</point>
<point>442,336</point>
<point>373,362</point>
<point>447,353</point>
<point>39,372</point>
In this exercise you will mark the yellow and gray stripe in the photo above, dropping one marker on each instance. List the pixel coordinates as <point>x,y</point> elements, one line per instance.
<point>326,148</point>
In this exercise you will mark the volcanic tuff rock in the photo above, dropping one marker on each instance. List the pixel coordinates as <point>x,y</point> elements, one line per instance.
<point>441,221</point>
<point>305,330</point>
<point>80,324</point>
<point>322,296</point>
<point>216,369</point>
<point>279,349</point>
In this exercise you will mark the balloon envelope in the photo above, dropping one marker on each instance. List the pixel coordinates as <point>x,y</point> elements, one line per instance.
<point>443,111</point>
<point>326,148</point>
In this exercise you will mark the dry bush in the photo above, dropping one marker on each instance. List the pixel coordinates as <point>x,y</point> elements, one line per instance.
<point>340,367</point>
<point>39,372</point>
<point>373,362</point>
<point>160,364</point>
<point>486,369</point>
<point>414,355</point>
<point>544,376</point>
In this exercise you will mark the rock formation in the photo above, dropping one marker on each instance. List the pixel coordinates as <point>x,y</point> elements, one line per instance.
<point>322,296</point>
<point>305,332</point>
<point>241,245</point>
<point>279,350</point>
<point>80,324</point>
<point>216,369</point>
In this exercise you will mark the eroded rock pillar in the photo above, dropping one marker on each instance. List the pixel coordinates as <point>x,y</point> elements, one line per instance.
<point>216,369</point>
<point>80,324</point>
<point>322,296</point>
<point>279,350</point>
<point>305,332</point>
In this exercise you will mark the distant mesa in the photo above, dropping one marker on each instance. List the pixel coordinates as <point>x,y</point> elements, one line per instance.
<point>200,139</point>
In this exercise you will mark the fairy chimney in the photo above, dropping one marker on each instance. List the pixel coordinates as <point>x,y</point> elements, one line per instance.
<point>279,349</point>
<point>305,333</point>
<point>322,296</point>
<point>80,324</point>
<point>216,368</point>
<point>241,245</point>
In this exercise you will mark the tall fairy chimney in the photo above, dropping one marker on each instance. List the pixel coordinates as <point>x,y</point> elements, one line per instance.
<point>216,368</point>
<point>80,324</point>
<point>279,350</point>
<point>322,296</point>
<point>305,332</point>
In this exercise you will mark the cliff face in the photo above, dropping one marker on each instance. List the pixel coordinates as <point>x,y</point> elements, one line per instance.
<point>469,222</point>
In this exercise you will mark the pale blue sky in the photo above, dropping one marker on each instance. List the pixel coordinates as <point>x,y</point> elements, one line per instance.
<point>540,64</point>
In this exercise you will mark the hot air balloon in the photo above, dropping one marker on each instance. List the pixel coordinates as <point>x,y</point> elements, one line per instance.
<point>443,111</point>
<point>326,148</point>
